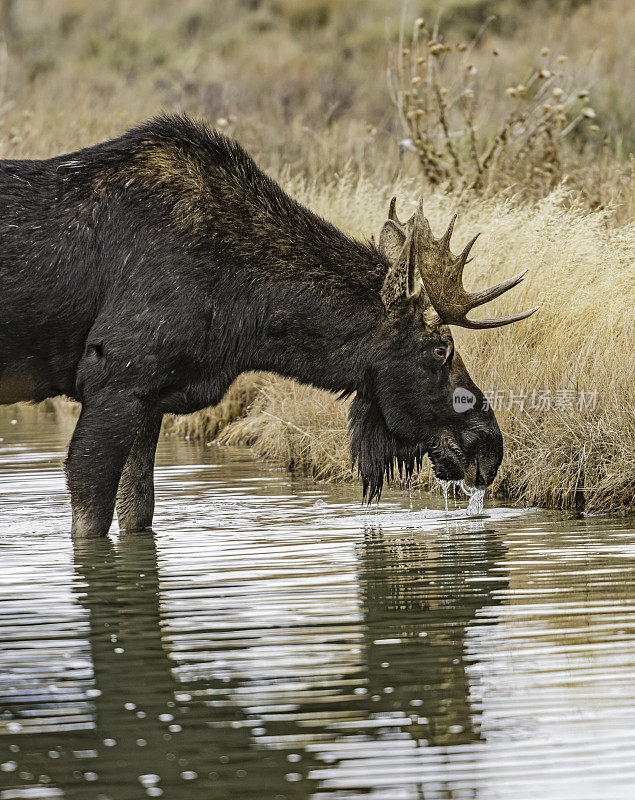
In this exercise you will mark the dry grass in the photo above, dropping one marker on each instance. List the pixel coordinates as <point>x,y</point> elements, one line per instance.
<point>302,84</point>
<point>438,91</point>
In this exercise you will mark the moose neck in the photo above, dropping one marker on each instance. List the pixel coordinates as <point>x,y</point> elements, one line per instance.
<point>307,296</point>
<point>287,291</point>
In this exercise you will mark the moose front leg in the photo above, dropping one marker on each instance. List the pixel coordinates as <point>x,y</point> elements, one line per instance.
<point>135,497</point>
<point>105,432</point>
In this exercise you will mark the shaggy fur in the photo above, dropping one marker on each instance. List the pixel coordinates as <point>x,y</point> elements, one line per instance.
<point>142,275</point>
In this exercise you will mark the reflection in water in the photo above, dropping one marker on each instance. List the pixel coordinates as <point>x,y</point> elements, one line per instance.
<point>419,599</point>
<point>141,726</point>
<point>261,646</point>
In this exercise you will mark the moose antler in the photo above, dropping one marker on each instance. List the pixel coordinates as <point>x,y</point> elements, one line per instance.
<point>441,272</point>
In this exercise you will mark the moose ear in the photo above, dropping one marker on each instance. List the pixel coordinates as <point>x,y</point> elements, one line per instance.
<point>391,241</point>
<point>402,279</point>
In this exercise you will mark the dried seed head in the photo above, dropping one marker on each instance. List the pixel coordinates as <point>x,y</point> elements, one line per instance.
<point>221,122</point>
<point>469,93</point>
<point>420,22</point>
<point>496,51</point>
<point>562,59</point>
<point>588,113</point>
<point>512,91</point>
<point>544,52</point>
<point>521,88</point>
<point>447,48</point>
<point>583,94</point>
<point>471,69</point>
<point>561,120</point>
<point>421,60</point>
<point>560,108</point>
<point>443,91</point>
<point>419,112</point>
<point>544,73</point>
<point>405,52</point>
<point>416,80</point>
<point>461,47</point>
<point>546,107</point>
<point>594,128</point>
<point>557,92</point>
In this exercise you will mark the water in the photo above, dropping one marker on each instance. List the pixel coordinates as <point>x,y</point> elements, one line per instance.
<point>272,640</point>
<point>476,497</point>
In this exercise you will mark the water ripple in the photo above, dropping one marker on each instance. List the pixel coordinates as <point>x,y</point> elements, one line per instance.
<point>272,640</point>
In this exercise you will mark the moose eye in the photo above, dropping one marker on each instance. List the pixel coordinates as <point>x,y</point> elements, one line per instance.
<point>440,352</point>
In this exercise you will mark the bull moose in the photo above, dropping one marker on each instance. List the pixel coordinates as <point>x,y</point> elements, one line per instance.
<point>142,275</point>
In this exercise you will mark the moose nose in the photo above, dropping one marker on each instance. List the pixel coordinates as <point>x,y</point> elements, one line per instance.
<point>474,476</point>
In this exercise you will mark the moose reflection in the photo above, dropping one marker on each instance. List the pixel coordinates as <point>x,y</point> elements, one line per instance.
<point>146,729</point>
<point>199,737</point>
<point>419,599</point>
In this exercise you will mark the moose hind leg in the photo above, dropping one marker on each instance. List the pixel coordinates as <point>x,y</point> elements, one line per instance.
<point>135,496</point>
<point>105,432</point>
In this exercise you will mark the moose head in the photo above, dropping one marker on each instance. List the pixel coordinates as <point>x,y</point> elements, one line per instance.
<point>418,397</point>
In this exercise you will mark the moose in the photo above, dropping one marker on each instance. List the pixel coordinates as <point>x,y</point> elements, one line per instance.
<point>141,276</point>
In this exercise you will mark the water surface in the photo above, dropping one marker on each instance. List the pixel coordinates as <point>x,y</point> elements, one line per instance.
<point>271,640</point>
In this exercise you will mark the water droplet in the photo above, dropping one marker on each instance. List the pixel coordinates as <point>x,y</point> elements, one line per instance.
<point>445,485</point>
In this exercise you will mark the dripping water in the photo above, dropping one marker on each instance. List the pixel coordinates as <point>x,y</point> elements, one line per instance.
<point>475,503</point>
<point>445,485</point>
